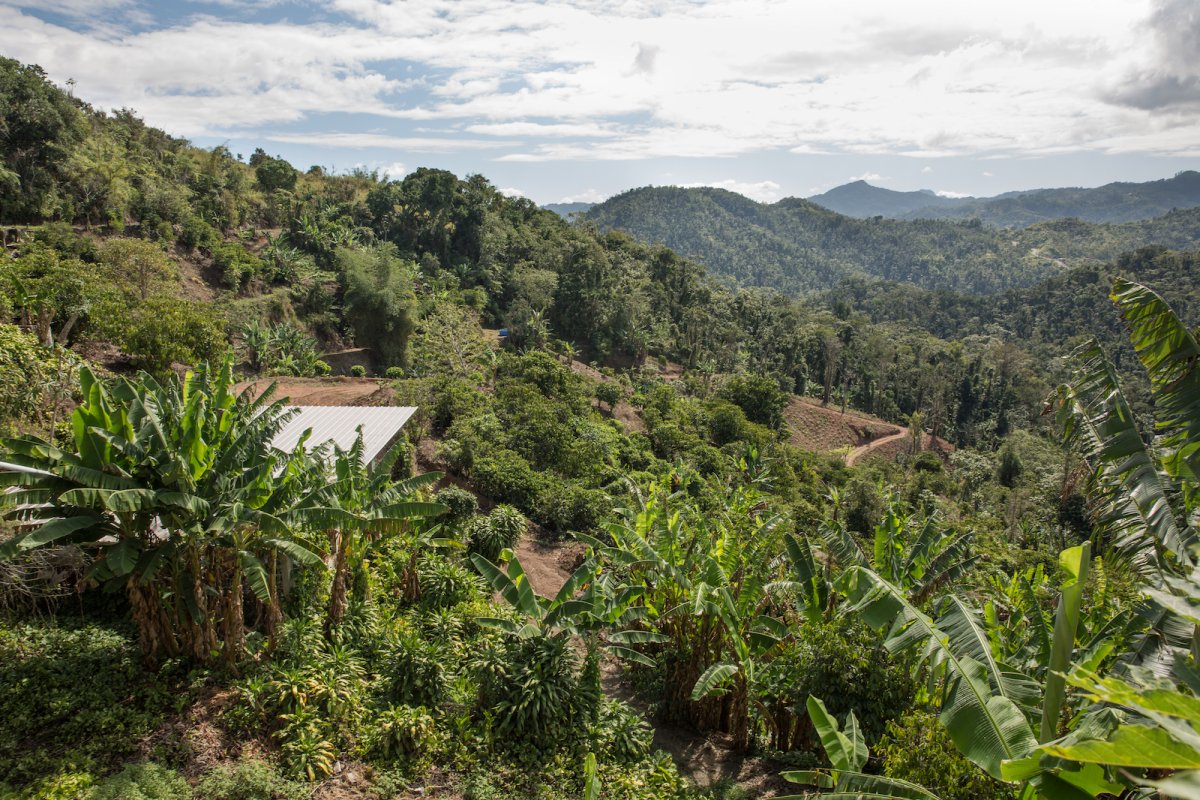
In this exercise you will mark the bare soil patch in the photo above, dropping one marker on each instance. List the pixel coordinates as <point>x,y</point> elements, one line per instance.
<point>822,429</point>
<point>326,391</point>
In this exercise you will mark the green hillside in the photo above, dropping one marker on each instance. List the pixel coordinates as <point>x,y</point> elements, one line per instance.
<point>798,247</point>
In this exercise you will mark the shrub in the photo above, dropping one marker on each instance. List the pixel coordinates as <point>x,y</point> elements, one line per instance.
<point>534,690</point>
<point>608,393</point>
<point>621,734</point>
<point>567,507</point>
<point>143,782</point>
<point>757,395</point>
<point>505,476</point>
<point>358,371</point>
<point>413,673</point>
<point>249,779</point>
<point>321,368</point>
<point>1010,468</point>
<point>394,373</point>
<point>928,462</point>
<point>462,504</point>
<point>402,731</point>
<point>843,663</point>
<point>917,748</point>
<point>445,583</point>
<point>196,234</point>
<point>499,530</point>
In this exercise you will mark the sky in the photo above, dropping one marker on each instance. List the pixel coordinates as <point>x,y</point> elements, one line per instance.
<point>578,100</point>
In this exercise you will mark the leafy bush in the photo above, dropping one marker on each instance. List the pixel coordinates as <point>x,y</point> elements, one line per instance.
<point>533,688</point>
<point>394,373</point>
<point>505,476</point>
<point>608,393</point>
<point>564,507</point>
<point>445,583</point>
<point>462,504</point>
<point>846,665</point>
<point>59,686</point>
<point>621,734</point>
<point>402,731</point>
<point>414,673</point>
<point>757,395</point>
<point>917,748</point>
<point>491,535</point>
<point>196,234</point>
<point>358,371</point>
<point>143,782</point>
<point>249,779</point>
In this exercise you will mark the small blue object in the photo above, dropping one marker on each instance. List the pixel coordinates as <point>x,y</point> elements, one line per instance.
<point>503,332</point>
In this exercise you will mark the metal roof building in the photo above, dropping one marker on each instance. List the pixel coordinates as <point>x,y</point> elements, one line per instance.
<point>339,424</point>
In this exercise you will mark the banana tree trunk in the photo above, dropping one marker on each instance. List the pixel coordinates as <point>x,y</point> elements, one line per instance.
<point>337,590</point>
<point>274,611</point>
<point>145,617</point>
<point>235,623</point>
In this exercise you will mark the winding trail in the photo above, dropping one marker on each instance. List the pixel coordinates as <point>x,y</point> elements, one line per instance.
<point>858,452</point>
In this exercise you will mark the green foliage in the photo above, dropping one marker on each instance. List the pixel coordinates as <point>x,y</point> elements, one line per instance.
<point>358,371</point>
<point>414,673</point>
<point>249,779</point>
<point>40,126</point>
<point>379,301</point>
<point>143,782</point>
<point>565,507</point>
<point>500,530</point>
<point>796,246</point>
<point>917,749</point>
<point>403,731</point>
<point>759,396</point>
<point>532,686</point>
<point>59,686</point>
<point>445,583</point>
<point>507,477</point>
<point>32,380</point>
<point>462,504</point>
<point>849,667</point>
<point>1010,468</point>
<point>621,734</point>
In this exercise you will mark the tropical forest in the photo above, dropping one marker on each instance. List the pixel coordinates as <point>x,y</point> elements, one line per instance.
<point>700,497</point>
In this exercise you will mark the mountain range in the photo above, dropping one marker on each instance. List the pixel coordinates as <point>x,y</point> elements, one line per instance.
<point>1113,202</point>
<point>798,246</point>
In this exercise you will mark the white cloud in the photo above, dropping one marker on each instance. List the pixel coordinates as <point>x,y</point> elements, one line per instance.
<point>988,175</point>
<point>394,171</point>
<point>416,144</point>
<point>869,177</point>
<point>950,194</point>
<point>926,170</point>
<point>512,191</point>
<point>594,80</point>
<point>762,191</point>
<point>589,196</point>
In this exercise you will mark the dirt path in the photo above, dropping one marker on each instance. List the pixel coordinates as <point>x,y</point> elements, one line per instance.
<point>859,452</point>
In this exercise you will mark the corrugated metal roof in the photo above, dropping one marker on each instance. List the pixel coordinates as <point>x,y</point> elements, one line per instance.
<point>339,424</point>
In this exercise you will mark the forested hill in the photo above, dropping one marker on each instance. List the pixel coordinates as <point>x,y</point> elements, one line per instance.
<point>796,246</point>
<point>1113,202</point>
<point>861,199</point>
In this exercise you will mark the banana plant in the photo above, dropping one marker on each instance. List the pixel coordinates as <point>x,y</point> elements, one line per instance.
<point>920,555</point>
<point>1141,724</point>
<point>847,753</point>
<point>176,487</point>
<point>988,708</point>
<point>587,603</point>
<point>1145,498</point>
<point>706,575</point>
<point>361,508</point>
